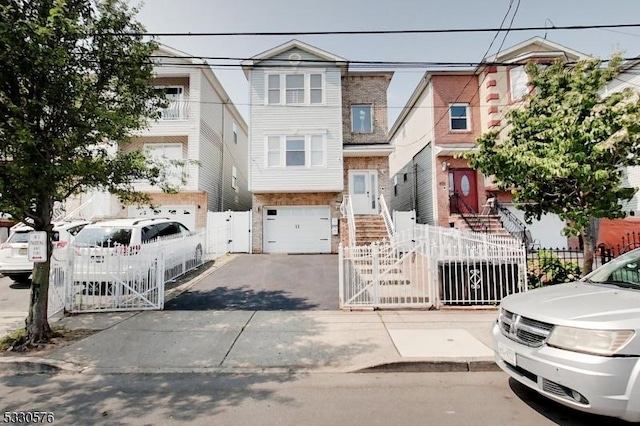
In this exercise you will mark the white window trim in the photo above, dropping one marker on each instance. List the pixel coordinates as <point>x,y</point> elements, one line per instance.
<point>307,87</point>
<point>234,178</point>
<point>235,132</point>
<point>370,116</point>
<point>307,150</point>
<point>467,115</point>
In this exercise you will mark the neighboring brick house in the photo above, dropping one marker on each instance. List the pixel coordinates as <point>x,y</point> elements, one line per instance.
<point>443,118</point>
<point>318,132</point>
<point>201,125</point>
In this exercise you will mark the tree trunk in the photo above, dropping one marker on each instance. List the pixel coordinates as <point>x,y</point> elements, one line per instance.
<point>37,325</point>
<point>587,241</point>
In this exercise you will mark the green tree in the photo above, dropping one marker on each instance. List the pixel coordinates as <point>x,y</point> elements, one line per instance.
<point>72,89</point>
<point>566,148</point>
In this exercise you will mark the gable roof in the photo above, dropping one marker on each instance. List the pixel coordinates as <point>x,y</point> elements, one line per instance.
<point>292,44</point>
<point>535,46</point>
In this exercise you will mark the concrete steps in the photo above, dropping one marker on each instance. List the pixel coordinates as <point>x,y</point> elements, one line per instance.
<point>491,223</point>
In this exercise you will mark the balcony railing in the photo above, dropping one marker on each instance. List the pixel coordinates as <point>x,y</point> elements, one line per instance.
<point>176,110</point>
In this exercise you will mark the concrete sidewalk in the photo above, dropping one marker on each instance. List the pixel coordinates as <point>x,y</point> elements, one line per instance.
<point>260,341</point>
<point>270,341</point>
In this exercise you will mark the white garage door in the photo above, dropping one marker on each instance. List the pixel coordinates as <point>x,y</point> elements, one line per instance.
<point>297,229</point>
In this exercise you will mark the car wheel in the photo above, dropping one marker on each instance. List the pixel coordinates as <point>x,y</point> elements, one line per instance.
<point>199,255</point>
<point>19,278</point>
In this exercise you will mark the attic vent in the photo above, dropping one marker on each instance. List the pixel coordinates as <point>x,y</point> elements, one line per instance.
<point>294,59</point>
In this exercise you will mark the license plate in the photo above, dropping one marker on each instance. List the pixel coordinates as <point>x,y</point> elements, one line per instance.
<point>22,251</point>
<point>507,354</point>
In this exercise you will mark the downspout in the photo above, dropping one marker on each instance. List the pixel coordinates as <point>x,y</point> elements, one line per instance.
<point>222,105</point>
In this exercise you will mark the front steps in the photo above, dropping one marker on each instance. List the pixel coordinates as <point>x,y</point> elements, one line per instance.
<point>370,229</point>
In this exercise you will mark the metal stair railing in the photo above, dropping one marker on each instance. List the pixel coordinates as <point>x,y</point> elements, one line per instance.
<point>468,214</point>
<point>512,224</point>
<point>386,216</point>
<point>346,208</point>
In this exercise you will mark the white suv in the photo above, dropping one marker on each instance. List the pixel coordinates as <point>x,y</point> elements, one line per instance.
<point>14,262</point>
<point>118,250</point>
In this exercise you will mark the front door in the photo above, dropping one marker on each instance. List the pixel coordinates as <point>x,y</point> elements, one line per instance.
<point>363,189</point>
<point>463,190</point>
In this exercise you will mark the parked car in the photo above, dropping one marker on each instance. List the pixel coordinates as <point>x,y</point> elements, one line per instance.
<point>14,261</point>
<point>119,250</point>
<point>578,343</point>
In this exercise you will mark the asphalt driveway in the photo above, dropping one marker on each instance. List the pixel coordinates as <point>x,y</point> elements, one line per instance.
<point>266,282</point>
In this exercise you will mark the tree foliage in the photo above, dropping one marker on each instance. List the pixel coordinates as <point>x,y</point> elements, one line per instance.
<point>72,90</point>
<point>566,148</point>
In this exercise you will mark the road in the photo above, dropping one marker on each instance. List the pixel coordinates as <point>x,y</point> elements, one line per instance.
<point>14,304</point>
<point>269,399</point>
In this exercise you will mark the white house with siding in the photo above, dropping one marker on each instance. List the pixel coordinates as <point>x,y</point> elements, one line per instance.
<point>307,151</point>
<point>200,126</point>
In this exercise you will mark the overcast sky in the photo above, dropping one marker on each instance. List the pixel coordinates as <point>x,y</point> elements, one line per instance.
<point>352,15</point>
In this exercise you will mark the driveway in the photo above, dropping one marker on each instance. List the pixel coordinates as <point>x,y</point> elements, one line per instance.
<point>14,304</point>
<point>266,282</point>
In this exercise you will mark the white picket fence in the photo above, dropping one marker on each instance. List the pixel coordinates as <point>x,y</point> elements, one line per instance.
<point>432,266</point>
<point>121,278</point>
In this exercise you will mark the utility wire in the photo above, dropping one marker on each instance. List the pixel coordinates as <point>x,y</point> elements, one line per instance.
<point>370,32</point>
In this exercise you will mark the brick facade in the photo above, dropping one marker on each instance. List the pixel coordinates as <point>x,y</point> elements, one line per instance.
<point>366,88</point>
<point>454,89</point>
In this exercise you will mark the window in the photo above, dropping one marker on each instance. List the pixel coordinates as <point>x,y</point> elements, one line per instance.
<point>295,89</point>
<point>459,116</point>
<point>361,119</point>
<point>296,151</point>
<point>234,178</point>
<point>235,132</point>
<point>167,155</point>
<point>273,151</point>
<point>316,88</point>
<point>176,106</point>
<point>405,176</point>
<point>274,89</point>
<point>518,80</point>
<point>295,155</point>
<point>317,150</point>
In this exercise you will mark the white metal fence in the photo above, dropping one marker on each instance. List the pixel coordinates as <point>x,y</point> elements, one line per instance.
<point>119,278</point>
<point>432,266</point>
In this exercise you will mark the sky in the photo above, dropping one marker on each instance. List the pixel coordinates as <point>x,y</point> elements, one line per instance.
<point>232,16</point>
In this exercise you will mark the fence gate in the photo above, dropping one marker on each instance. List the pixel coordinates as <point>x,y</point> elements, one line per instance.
<point>228,232</point>
<point>124,278</point>
<point>431,266</point>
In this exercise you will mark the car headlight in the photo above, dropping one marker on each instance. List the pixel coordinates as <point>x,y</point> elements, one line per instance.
<point>597,342</point>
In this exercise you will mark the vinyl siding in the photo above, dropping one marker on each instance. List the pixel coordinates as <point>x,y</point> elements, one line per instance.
<point>404,198</point>
<point>425,205</point>
<point>291,120</point>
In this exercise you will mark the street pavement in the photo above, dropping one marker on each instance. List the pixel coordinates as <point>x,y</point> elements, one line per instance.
<point>252,340</point>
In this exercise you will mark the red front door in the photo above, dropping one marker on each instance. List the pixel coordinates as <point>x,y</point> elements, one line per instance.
<point>463,186</point>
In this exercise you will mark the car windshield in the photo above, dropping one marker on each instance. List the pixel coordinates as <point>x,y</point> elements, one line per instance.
<point>103,237</point>
<point>19,237</point>
<point>623,271</point>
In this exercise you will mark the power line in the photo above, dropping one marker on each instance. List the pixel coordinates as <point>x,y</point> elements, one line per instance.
<point>370,32</point>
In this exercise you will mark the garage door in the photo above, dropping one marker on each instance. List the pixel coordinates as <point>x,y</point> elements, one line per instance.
<point>297,229</point>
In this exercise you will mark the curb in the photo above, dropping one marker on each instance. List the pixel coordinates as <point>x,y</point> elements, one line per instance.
<point>433,366</point>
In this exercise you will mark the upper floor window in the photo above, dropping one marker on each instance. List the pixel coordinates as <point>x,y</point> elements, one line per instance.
<point>459,117</point>
<point>296,151</point>
<point>235,132</point>
<point>169,156</point>
<point>518,81</point>
<point>234,178</point>
<point>295,89</point>
<point>361,118</point>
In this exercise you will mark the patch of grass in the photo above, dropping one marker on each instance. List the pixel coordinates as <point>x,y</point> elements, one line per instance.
<point>10,340</point>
